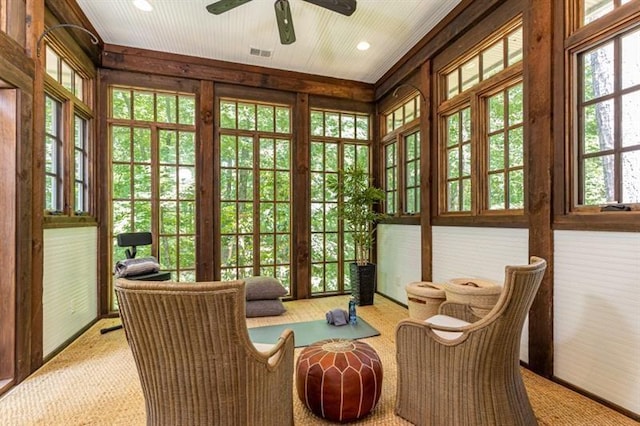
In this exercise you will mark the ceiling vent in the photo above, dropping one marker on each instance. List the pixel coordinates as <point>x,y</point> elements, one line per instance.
<point>259,52</point>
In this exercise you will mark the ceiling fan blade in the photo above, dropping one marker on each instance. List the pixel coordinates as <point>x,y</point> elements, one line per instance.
<point>285,24</point>
<point>224,5</point>
<point>345,7</point>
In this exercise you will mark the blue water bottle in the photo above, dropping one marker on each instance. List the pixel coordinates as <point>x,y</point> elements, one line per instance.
<point>352,311</point>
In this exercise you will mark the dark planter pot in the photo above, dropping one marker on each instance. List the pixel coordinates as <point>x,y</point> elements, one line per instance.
<point>363,283</point>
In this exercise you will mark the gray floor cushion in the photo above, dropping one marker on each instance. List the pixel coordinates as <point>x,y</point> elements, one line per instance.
<point>263,288</point>
<point>264,308</point>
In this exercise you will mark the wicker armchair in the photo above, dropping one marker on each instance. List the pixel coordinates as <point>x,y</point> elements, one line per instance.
<point>461,368</point>
<point>196,363</point>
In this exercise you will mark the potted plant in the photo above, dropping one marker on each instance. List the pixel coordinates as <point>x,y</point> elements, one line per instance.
<point>358,212</point>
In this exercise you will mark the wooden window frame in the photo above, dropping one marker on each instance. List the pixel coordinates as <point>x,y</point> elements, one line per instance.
<point>475,98</point>
<point>155,163</point>
<point>415,161</point>
<point>443,176</point>
<point>256,235</point>
<point>576,9</point>
<point>484,151</point>
<point>67,213</point>
<point>397,136</point>
<point>3,15</point>
<point>342,233</point>
<point>56,140</point>
<point>82,152</point>
<point>580,38</point>
<point>391,188</point>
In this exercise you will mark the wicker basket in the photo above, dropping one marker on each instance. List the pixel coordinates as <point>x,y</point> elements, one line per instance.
<point>424,299</point>
<point>479,293</point>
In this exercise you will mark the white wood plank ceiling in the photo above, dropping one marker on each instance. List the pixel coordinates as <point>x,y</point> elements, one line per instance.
<point>325,41</point>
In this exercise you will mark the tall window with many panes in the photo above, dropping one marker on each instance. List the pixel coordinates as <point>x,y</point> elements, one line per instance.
<point>339,140</point>
<point>605,82</point>
<point>67,137</point>
<point>401,158</point>
<point>54,156</point>
<point>153,174</point>
<point>481,144</point>
<point>255,190</point>
<point>505,142</point>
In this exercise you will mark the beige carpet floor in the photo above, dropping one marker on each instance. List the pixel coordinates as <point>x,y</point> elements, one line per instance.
<point>94,380</point>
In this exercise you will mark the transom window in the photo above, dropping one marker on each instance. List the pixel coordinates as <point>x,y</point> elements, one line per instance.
<point>405,113</point>
<point>592,10</point>
<point>481,131</point>
<point>485,63</point>
<point>62,72</point>
<point>338,140</point>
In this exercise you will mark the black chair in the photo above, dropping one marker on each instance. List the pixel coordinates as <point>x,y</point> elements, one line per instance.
<point>133,240</point>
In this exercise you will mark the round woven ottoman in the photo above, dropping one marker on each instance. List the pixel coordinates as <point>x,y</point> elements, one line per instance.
<point>339,380</point>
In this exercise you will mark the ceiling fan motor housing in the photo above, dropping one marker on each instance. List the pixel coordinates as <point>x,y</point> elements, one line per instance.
<point>283,12</point>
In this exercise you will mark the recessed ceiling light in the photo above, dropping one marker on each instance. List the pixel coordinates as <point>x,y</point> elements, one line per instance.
<point>363,45</point>
<point>143,5</point>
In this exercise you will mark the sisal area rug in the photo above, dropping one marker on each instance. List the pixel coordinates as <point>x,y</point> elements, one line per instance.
<point>94,380</point>
<point>307,332</point>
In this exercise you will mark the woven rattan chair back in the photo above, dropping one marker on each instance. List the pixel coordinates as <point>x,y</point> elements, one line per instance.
<point>196,363</point>
<point>474,379</point>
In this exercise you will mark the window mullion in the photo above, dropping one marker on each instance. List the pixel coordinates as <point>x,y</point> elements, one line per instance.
<point>617,120</point>
<point>155,191</point>
<point>257,203</point>
<point>66,159</point>
<point>506,151</point>
<point>400,174</point>
<point>478,167</point>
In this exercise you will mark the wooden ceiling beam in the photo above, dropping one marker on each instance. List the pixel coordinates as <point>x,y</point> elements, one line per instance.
<point>168,64</point>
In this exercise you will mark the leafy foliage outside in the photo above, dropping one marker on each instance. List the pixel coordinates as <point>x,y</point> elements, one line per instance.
<point>506,149</point>
<point>487,129</point>
<point>608,158</point>
<point>339,139</point>
<point>138,154</point>
<point>255,190</point>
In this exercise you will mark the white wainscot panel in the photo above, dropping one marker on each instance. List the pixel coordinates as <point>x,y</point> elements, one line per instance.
<point>477,252</point>
<point>70,293</point>
<point>597,314</point>
<point>399,259</point>
<point>480,253</point>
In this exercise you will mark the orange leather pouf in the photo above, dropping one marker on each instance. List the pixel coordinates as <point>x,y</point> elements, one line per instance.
<point>339,380</point>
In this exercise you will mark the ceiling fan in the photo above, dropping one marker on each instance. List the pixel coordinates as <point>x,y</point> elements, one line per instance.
<point>283,12</point>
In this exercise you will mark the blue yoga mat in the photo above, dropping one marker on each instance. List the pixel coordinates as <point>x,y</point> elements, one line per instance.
<point>306,333</point>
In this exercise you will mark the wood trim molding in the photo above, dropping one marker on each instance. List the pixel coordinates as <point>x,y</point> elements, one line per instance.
<point>426,166</point>
<point>538,30</point>
<point>301,256</point>
<point>168,64</point>
<point>462,18</point>
<point>206,247</point>
<point>15,68</point>
<point>68,12</point>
